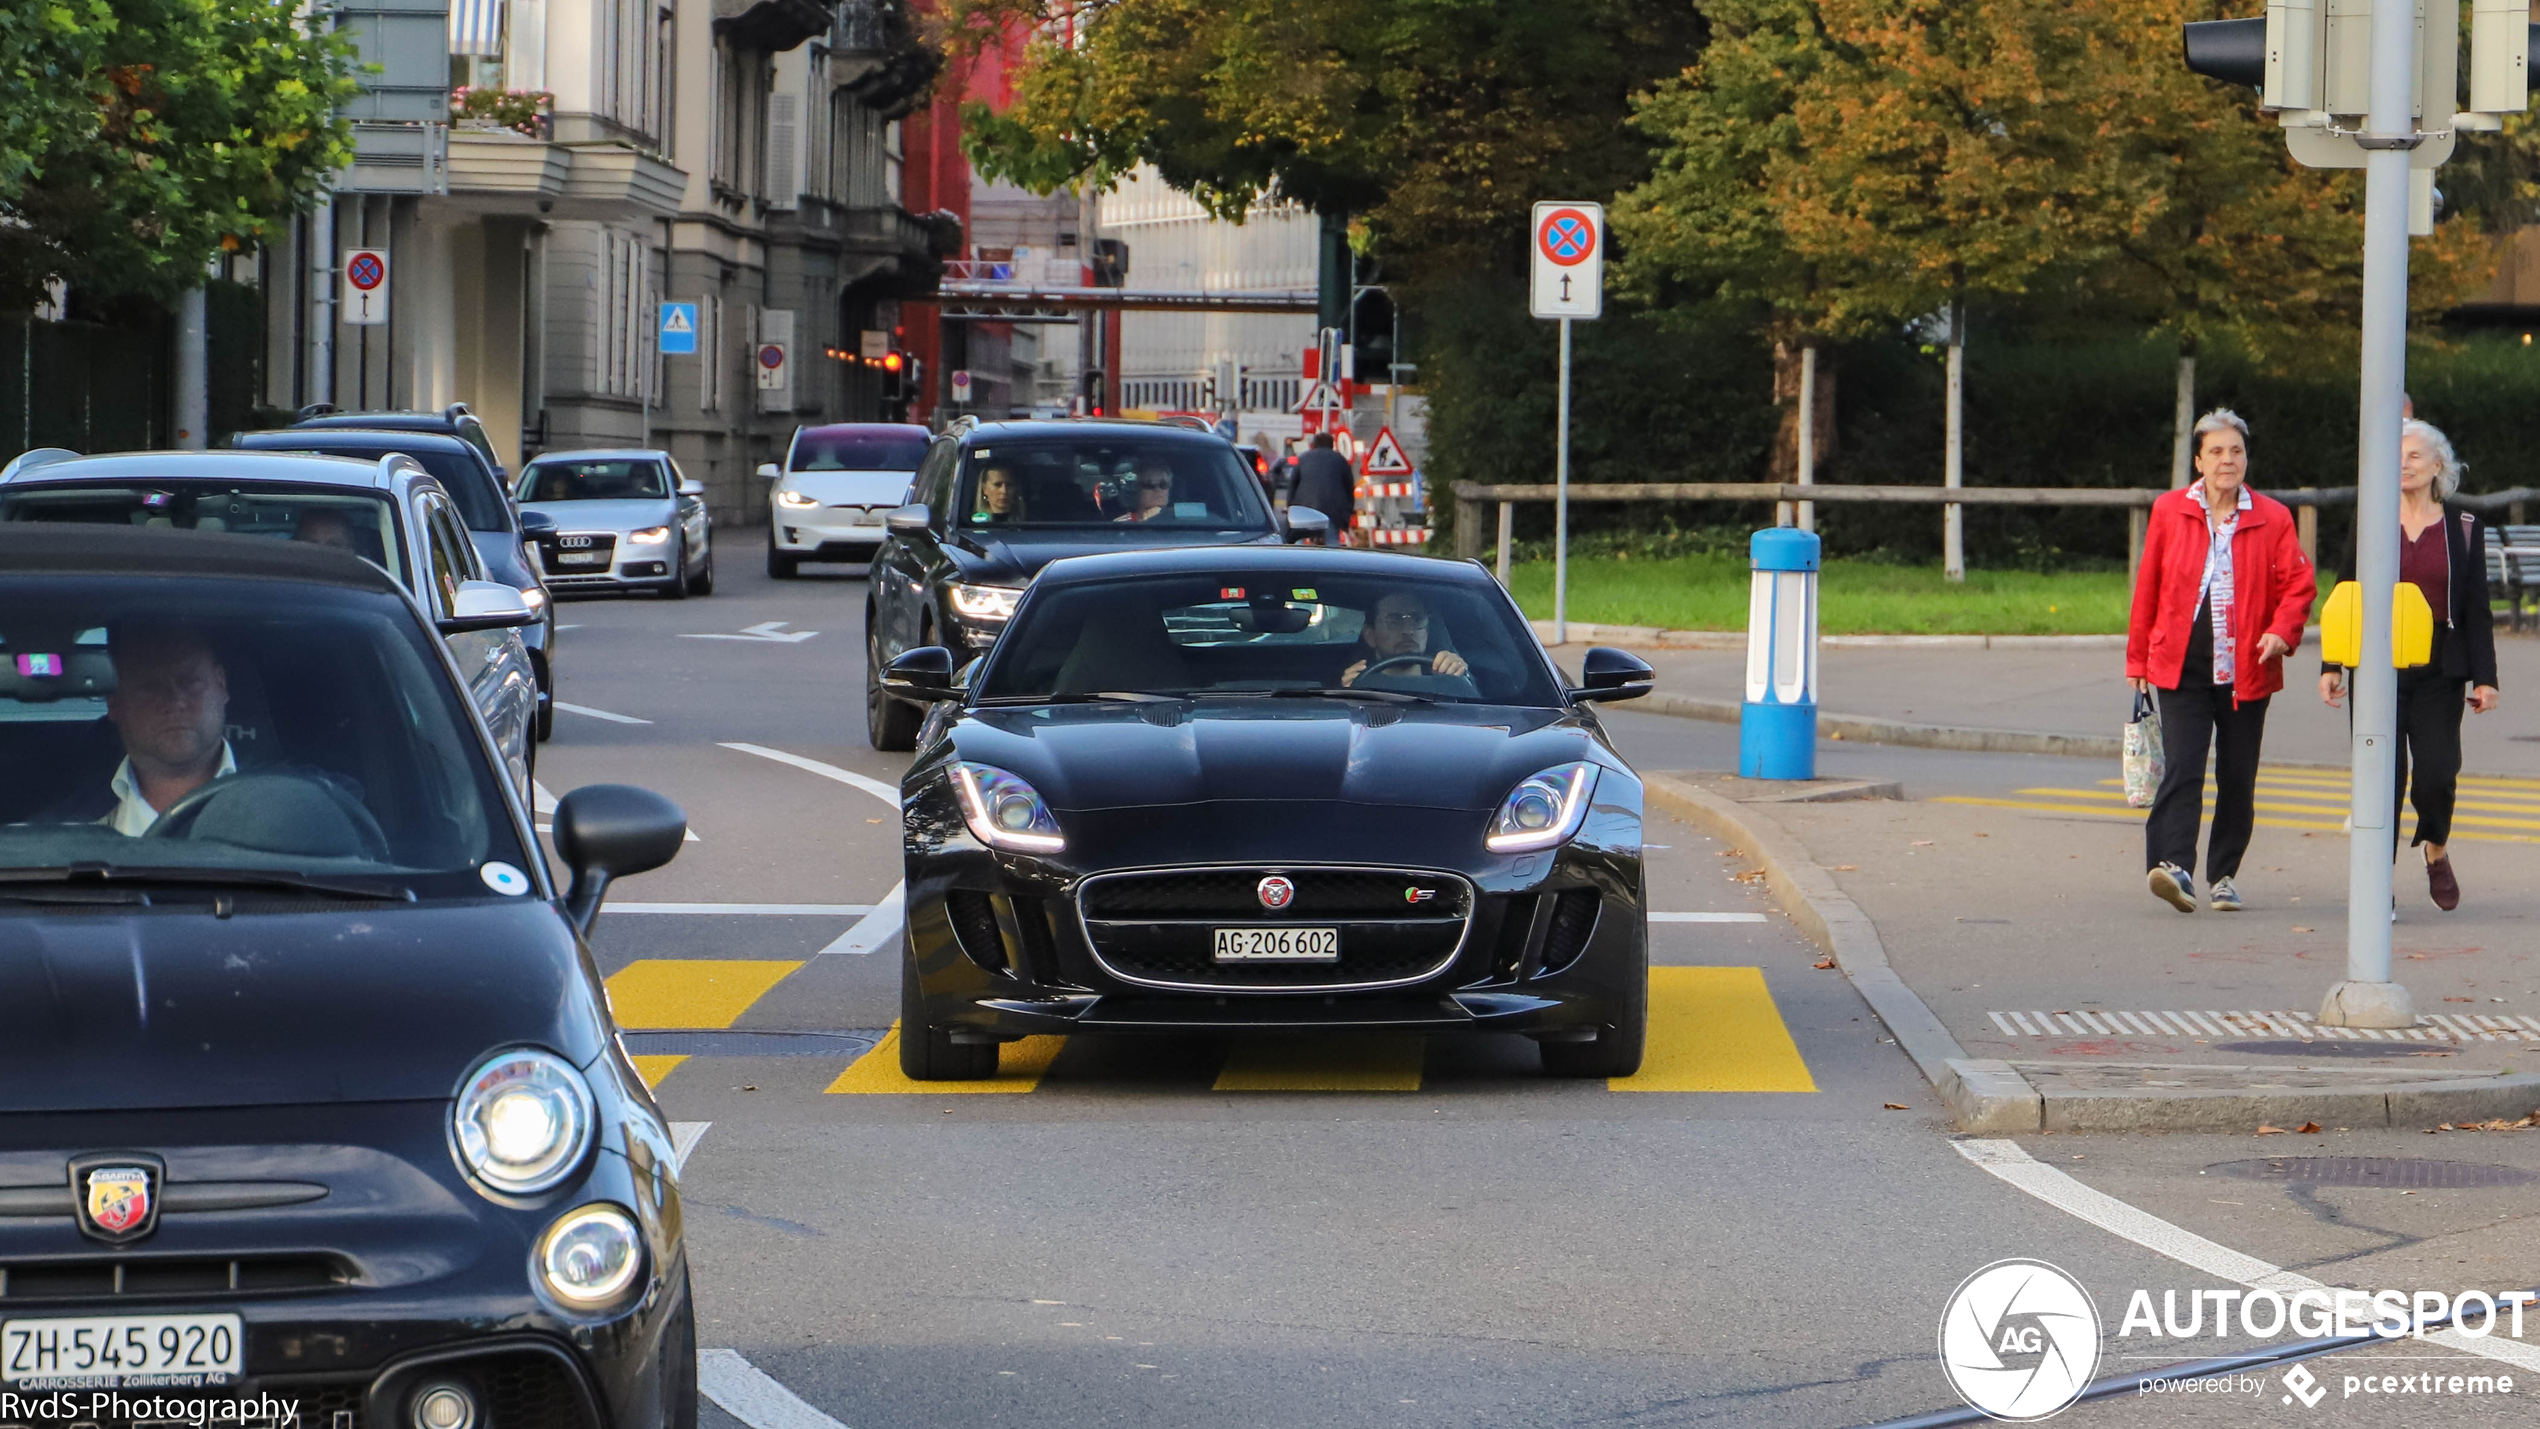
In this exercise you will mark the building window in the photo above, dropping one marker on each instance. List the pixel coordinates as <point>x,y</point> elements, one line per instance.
<point>892,160</point>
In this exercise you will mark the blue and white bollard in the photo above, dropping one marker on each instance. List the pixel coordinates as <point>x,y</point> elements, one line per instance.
<point>1777,731</point>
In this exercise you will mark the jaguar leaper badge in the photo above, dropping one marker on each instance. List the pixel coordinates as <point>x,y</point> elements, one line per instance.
<point>118,1197</point>
<point>1276,893</point>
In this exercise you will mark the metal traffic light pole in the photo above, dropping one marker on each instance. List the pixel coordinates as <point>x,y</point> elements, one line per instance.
<point>2368,997</point>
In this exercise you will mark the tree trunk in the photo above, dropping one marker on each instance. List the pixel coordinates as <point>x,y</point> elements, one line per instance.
<point>2182,446</point>
<point>1787,363</point>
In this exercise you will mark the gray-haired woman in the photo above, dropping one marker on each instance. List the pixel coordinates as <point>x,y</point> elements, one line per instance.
<point>2442,550</point>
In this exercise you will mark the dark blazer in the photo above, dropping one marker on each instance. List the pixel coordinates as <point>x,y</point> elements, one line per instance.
<point>2465,644</point>
<point>1325,483</point>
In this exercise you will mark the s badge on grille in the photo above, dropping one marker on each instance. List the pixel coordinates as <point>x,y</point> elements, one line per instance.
<point>1418,895</point>
<point>118,1196</point>
<point>1276,893</point>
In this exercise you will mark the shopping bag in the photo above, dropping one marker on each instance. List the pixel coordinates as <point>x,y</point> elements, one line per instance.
<point>2143,758</point>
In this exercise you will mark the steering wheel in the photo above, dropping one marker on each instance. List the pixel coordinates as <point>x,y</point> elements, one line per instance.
<point>303,815</point>
<point>1392,660</point>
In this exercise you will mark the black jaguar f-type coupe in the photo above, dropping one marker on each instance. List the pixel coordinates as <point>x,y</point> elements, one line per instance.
<point>1270,790</point>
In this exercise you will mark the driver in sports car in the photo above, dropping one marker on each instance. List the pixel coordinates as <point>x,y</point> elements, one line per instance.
<point>171,705</point>
<point>1398,627</point>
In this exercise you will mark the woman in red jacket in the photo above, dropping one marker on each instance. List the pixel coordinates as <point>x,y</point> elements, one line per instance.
<point>2219,601</point>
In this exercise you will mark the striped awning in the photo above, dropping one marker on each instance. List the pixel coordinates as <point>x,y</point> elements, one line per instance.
<point>476,28</point>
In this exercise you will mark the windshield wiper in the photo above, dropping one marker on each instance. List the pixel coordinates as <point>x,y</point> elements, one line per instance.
<point>92,873</point>
<point>1097,697</point>
<point>1353,692</point>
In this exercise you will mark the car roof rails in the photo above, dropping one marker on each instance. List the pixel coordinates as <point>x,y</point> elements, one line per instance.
<point>966,422</point>
<point>456,410</point>
<point>40,456</point>
<point>316,409</point>
<point>1188,423</point>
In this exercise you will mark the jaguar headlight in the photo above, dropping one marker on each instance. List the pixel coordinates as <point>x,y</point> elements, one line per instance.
<point>523,1121</point>
<point>796,501</point>
<point>590,1256</point>
<point>1003,811</point>
<point>985,602</point>
<point>649,536</point>
<point>1543,812</point>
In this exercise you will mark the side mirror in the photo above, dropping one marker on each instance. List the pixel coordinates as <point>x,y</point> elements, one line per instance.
<point>486,605</point>
<point>1307,524</point>
<point>692,487</point>
<point>1606,673</point>
<point>924,673</point>
<point>605,832</point>
<point>536,525</point>
<point>768,469</point>
<point>909,520</point>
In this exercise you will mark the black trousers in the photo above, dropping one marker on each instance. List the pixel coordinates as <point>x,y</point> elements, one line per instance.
<point>2430,709</point>
<point>2194,718</point>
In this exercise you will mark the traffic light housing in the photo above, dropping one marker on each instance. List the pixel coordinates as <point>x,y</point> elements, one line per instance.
<point>2233,51</point>
<point>895,376</point>
<point>2316,56</point>
<point>1111,263</point>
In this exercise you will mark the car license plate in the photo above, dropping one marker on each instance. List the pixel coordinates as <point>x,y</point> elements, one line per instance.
<point>582,558</point>
<point>121,1352</point>
<point>1278,945</point>
<point>867,518</point>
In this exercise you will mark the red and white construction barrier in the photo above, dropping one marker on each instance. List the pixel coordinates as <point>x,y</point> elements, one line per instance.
<point>1396,535</point>
<point>1372,490</point>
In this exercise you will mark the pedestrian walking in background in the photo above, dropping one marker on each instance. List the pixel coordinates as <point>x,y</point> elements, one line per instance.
<point>2220,599</point>
<point>1325,483</point>
<point>2443,550</point>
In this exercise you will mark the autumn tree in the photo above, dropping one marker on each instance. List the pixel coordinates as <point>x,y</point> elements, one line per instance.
<point>1435,126</point>
<point>140,137</point>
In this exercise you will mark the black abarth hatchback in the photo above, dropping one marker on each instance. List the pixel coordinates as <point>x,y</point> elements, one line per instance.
<point>1240,790</point>
<point>309,1095</point>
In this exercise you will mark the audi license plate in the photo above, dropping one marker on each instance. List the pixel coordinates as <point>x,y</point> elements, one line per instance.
<point>1278,945</point>
<point>581,558</point>
<point>121,1352</point>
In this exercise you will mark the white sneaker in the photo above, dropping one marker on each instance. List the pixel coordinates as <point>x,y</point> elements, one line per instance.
<point>2223,897</point>
<point>2171,884</point>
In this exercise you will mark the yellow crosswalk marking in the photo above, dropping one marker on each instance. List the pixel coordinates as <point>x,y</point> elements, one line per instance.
<point>1380,1063</point>
<point>653,1068</point>
<point>1020,1066</point>
<point>1715,1030</point>
<point>686,993</point>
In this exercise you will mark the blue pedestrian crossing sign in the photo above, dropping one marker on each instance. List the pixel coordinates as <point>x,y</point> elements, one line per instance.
<point>678,329</point>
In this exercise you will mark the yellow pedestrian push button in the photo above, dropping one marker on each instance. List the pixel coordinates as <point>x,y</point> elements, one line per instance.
<point>2411,626</point>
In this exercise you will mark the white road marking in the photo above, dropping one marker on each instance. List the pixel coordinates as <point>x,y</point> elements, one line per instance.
<point>887,793</point>
<point>877,929</point>
<point>600,714</point>
<point>542,800</point>
<point>753,910</point>
<point>745,1392</point>
<point>2006,1161</point>
<point>765,630</point>
<point>684,1136</point>
<point>1706,917</point>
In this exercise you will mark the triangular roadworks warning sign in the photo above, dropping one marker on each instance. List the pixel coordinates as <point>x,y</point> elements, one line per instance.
<point>1385,456</point>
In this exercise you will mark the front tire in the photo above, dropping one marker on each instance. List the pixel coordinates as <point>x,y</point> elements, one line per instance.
<point>679,1363</point>
<point>782,565</point>
<point>676,588</point>
<point>889,725</point>
<point>1616,1052</point>
<point>927,1052</point>
<point>704,583</point>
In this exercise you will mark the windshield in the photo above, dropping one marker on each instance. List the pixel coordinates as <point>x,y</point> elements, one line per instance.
<point>859,451</point>
<point>631,480</point>
<point>223,727</point>
<point>362,522</point>
<point>472,489</point>
<point>1243,632</point>
<point>1107,479</point>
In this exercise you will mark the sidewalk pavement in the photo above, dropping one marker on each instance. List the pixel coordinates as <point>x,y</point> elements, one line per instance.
<point>2042,696</point>
<point>2019,959</point>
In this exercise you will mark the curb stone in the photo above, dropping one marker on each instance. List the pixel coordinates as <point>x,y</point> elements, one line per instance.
<point>1870,729</point>
<point>1653,637</point>
<point>1989,1096</point>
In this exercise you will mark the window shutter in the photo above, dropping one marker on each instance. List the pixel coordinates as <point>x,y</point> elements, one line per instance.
<point>784,150</point>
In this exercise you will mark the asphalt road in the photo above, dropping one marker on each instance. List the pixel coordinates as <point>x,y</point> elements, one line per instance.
<point>1192,1232</point>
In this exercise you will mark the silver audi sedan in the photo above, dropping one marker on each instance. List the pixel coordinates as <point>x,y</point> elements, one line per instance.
<point>625,520</point>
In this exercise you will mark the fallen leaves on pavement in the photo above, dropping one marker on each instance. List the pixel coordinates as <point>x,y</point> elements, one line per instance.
<point>2309,1128</point>
<point>2499,1124</point>
<point>1896,1106</point>
<point>2266,1130</point>
<point>1822,963</point>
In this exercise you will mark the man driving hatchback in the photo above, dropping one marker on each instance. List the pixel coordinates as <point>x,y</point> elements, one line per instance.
<point>1398,627</point>
<point>171,705</point>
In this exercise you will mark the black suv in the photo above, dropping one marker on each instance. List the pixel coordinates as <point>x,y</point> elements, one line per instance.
<point>994,502</point>
<point>454,420</point>
<point>464,464</point>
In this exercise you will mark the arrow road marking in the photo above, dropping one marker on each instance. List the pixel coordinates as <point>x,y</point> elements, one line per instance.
<point>684,1136</point>
<point>768,630</point>
<point>745,1392</point>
